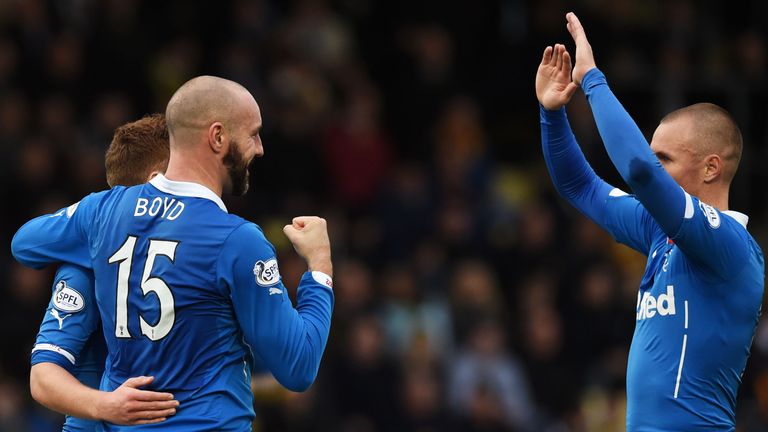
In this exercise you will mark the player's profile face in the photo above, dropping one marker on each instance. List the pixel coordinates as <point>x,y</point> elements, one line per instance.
<point>671,145</point>
<point>237,167</point>
<point>244,146</point>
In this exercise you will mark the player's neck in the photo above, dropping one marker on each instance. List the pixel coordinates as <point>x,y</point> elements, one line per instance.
<point>715,197</point>
<point>194,170</point>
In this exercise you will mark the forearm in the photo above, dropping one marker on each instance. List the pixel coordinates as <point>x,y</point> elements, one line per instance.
<point>54,387</point>
<point>322,263</point>
<point>633,158</point>
<point>571,174</point>
<point>291,341</point>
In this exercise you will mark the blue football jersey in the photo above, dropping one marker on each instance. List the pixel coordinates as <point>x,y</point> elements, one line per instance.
<point>697,309</point>
<point>189,294</point>
<point>70,334</point>
<point>699,299</point>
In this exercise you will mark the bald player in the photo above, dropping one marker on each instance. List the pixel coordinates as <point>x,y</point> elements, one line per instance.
<point>699,299</point>
<point>188,293</point>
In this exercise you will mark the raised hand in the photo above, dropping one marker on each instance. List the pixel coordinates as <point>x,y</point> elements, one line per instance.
<point>554,87</point>
<point>309,235</point>
<point>585,60</point>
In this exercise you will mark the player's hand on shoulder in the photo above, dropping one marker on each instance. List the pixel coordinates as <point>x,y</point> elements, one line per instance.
<point>553,78</point>
<point>129,405</point>
<point>309,235</point>
<point>585,60</point>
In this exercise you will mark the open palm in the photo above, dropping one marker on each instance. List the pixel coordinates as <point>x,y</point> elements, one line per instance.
<point>554,87</point>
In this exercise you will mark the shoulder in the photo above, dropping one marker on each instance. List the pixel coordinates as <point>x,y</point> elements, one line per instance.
<point>74,273</point>
<point>246,234</point>
<point>71,287</point>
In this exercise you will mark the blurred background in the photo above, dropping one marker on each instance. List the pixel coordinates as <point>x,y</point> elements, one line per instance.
<point>469,297</point>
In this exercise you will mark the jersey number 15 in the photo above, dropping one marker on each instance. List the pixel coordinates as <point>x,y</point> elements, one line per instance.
<point>124,256</point>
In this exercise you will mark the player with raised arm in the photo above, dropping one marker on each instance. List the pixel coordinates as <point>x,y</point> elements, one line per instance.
<point>69,354</point>
<point>699,299</point>
<point>187,292</point>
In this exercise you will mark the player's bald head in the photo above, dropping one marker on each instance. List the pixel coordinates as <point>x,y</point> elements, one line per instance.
<point>713,131</point>
<point>204,100</point>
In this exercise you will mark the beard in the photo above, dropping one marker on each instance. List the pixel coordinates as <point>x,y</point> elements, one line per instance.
<point>237,167</point>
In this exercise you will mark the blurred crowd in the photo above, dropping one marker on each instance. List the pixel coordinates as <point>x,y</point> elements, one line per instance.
<point>469,297</point>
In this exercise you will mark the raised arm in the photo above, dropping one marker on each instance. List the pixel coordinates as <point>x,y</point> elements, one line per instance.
<point>626,146</point>
<point>714,241</point>
<point>571,174</point>
<point>289,341</point>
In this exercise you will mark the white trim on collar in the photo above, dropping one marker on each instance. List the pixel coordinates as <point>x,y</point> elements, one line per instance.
<point>740,217</point>
<point>187,189</point>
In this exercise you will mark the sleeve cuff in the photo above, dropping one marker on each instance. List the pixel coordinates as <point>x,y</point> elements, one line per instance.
<point>49,353</point>
<point>322,279</point>
<point>594,77</point>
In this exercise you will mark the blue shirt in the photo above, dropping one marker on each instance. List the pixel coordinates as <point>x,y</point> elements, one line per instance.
<point>699,300</point>
<point>70,334</point>
<point>189,294</point>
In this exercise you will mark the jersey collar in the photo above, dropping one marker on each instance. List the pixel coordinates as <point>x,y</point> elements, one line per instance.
<point>186,189</point>
<point>740,217</point>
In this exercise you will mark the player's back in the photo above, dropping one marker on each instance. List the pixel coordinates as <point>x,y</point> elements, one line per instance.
<point>155,250</point>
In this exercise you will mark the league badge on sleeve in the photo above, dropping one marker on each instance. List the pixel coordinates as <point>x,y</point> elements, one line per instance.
<point>67,299</point>
<point>711,213</point>
<point>266,272</point>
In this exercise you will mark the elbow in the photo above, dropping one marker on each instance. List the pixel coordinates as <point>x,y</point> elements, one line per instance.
<point>300,383</point>
<point>21,253</point>
<point>640,173</point>
<point>36,387</point>
<point>16,247</point>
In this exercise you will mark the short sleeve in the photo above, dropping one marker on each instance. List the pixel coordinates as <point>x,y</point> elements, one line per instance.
<point>70,320</point>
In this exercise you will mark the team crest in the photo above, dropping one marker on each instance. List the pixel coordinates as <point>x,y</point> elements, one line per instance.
<point>266,272</point>
<point>713,217</point>
<point>67,299</point>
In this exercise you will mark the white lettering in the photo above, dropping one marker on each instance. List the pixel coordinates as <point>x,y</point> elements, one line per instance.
<point>141,207</point>
<point>178,208</point>
<point>171,207</point>
<point>166,205</point>
<point>666,303</point>
<point>154,209</point>
<point>648,306</point>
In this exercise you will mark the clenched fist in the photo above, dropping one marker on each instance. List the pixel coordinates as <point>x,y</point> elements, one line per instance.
<point>309,235</point>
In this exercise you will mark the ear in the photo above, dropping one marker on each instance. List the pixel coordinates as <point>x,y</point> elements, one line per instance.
<point>217,137</point>
<point>713,168</point>
<point>152,175</point>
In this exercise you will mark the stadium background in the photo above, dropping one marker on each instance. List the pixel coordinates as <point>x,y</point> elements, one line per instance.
<point>468,295</point>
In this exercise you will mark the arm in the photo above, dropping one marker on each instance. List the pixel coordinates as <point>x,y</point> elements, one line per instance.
<point>571,174</point>
<point>70,322</point>
<point>632,156</point>
<point>58,237</point>
<point>718,251</point>
<point>57,389</point>
<point>289,341</point>
<point>624,142</point>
